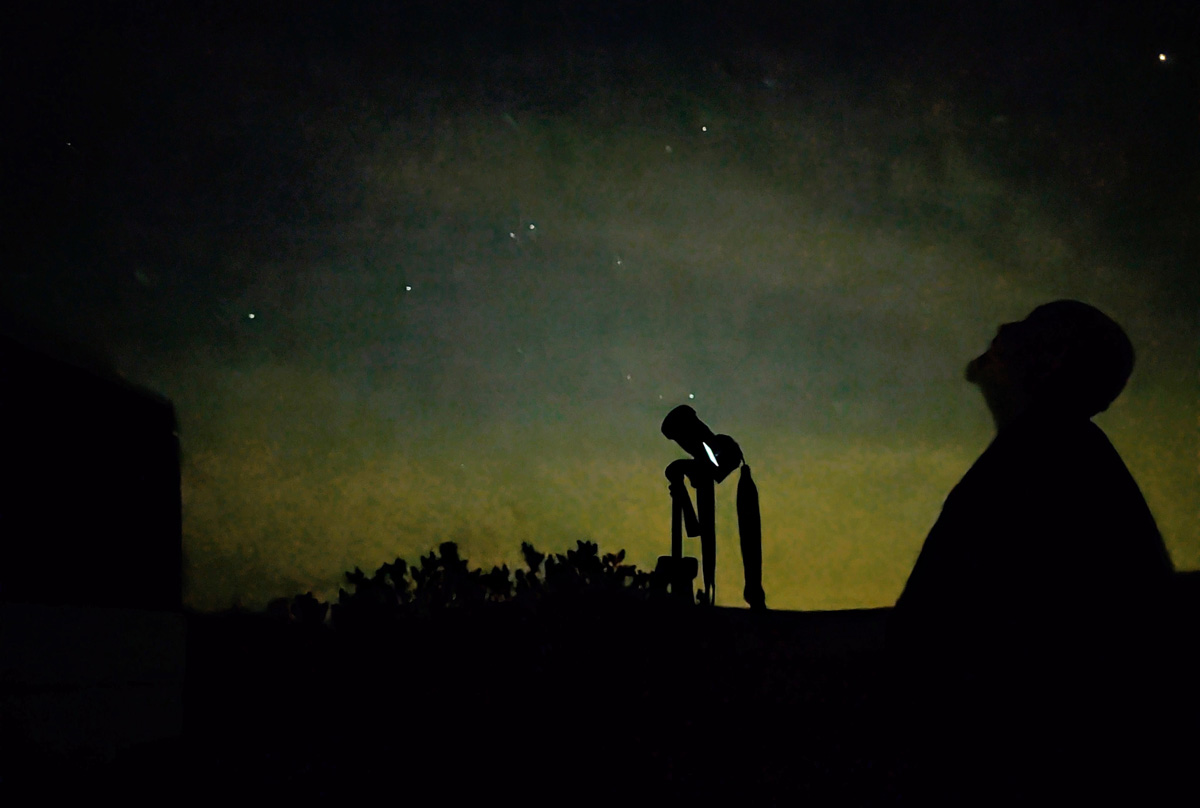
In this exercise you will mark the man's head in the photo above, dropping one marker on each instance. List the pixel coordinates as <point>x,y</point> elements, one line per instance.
<point>1066,356</point>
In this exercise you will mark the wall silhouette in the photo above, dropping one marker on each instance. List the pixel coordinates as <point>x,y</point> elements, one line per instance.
<point>91,509</point>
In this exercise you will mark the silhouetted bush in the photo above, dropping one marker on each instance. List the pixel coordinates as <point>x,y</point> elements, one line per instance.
<point>307,610</point>
<point>443,581</point>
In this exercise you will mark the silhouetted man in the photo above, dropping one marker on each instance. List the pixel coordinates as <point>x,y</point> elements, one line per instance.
<point>1024,635</point>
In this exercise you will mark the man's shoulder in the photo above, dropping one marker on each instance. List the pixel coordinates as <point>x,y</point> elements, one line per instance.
<point>1040,468</point>
<point>1084,452</point>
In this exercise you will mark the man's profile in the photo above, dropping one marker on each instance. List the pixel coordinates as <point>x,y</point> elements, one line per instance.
<point>1032,599</point>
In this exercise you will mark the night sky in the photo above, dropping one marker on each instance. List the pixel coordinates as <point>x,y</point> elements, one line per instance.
<point>419,272</point>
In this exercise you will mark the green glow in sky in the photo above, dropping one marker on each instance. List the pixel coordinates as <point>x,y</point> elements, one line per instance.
<point>451,298</point>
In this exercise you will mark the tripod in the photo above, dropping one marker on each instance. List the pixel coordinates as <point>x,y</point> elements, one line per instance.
<point>677,570</point>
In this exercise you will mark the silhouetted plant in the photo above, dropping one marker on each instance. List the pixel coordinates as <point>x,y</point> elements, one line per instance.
<point>379,597</point>
<point>279,609</point>
<point>583,572</point>
<point>528,588</point>
<point>307,610</point>
<point>443,580</point>
<point>498,585</point>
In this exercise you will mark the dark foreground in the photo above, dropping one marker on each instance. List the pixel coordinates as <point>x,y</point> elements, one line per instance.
<point>572,707</point>
<point>580,706</point>
<point>564,708</point>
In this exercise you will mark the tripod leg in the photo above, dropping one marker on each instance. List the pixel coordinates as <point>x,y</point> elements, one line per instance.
<point>706,513</point>
<point>676,524</point>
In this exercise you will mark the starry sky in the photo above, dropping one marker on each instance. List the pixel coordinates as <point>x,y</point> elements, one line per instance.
<point>418,272</point>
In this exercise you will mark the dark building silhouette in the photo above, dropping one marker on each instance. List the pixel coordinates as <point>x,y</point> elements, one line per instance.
<point>91,511</point>
<point>92,633</point>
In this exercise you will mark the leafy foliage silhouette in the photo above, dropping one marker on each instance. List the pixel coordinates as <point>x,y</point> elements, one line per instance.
<point>443,581</point>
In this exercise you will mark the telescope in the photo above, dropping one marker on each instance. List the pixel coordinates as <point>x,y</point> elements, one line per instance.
<point>713,458</point>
